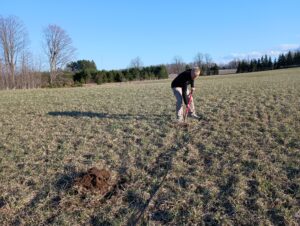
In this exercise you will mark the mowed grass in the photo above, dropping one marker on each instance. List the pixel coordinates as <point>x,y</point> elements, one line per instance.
<point>238,165</point>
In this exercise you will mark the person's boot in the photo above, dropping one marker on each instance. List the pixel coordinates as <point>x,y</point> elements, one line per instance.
<point>193,115</point>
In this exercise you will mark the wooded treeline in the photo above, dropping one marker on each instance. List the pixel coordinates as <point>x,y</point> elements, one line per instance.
<point>19,69</point>
<point>290,59</point>
<point>85,71</point>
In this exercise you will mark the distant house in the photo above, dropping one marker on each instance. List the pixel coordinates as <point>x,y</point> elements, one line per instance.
<point>227,71</point>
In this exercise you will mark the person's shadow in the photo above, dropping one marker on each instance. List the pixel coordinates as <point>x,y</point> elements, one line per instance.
<point>161,168</point>
<point>101,115</point>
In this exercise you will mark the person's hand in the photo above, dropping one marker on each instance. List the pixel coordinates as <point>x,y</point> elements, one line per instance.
<point>193,89</point>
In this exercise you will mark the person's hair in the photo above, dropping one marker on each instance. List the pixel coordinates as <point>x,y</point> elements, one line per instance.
<point>196,71</point>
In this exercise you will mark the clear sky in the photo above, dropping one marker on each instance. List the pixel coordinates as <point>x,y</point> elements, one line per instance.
<point>112,32</point>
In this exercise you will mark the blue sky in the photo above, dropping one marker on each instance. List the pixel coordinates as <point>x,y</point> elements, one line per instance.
<point>113,32</point>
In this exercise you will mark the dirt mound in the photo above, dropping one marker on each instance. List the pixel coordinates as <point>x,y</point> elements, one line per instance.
<point>95,179</point>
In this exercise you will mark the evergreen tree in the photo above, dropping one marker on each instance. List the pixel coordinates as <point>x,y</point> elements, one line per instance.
<point>270,64</point>
<point>119,77</point>
<point>187,67</point>
<point>259,65</point>
<point>162,72</point>
<point>297,58</point>
<point>251,66</point>
<point>81,65</point>
<point>214,70</point>
<point>289,59</point>
<point>238,70</point>
<point>281,61</point>
<point>275,65</point>
<point>264,62</point>
<point>254,66</point>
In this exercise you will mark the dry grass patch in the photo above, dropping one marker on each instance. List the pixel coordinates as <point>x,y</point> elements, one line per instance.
<point>238,165</point>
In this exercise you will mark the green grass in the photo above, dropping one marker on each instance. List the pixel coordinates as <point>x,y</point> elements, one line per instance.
<point>238,165</point>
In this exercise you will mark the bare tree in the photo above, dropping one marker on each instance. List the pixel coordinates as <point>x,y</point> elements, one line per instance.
<point>58,48</point>
<point>208,60</point>
<point>24,79</point>
<point>178,65</point>
<point>13,40</point>
<point>198,60</point>
<point>233,64</point>
<point>2,78</point>
<point>136,63</point>
<point>36,74</point>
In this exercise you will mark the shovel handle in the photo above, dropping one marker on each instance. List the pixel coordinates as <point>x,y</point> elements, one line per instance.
<point>188,106</point>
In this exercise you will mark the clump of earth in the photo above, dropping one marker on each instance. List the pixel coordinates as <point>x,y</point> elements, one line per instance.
<point>95,179</point>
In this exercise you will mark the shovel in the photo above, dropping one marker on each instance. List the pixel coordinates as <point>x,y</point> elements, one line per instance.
<point>188,106</point>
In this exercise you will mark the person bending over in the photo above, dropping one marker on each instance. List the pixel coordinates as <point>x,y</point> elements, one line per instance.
<point>181,92</point>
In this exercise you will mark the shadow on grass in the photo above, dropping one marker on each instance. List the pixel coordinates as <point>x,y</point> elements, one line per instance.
<point>227,190</point>
<point>101,115</point>
<point>63,183</point>
<point>161,168</point>
<point>137,205</point>
<point>122,181</point>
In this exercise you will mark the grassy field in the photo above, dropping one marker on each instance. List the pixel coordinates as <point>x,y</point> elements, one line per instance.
<point>238,165</point>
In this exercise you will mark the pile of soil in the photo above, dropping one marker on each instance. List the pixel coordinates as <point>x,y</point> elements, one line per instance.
<point>95,179</point>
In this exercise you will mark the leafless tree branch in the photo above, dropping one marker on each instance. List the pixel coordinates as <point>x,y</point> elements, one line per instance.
<point>58,48</point>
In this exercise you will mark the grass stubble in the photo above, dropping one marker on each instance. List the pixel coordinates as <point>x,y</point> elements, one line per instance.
<point>238,165</point>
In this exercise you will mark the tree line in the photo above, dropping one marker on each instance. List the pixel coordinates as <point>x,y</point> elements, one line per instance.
<point>290,59</point>
<point>19,69</point>
<point>85,71</point>
<point>203,61</point>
